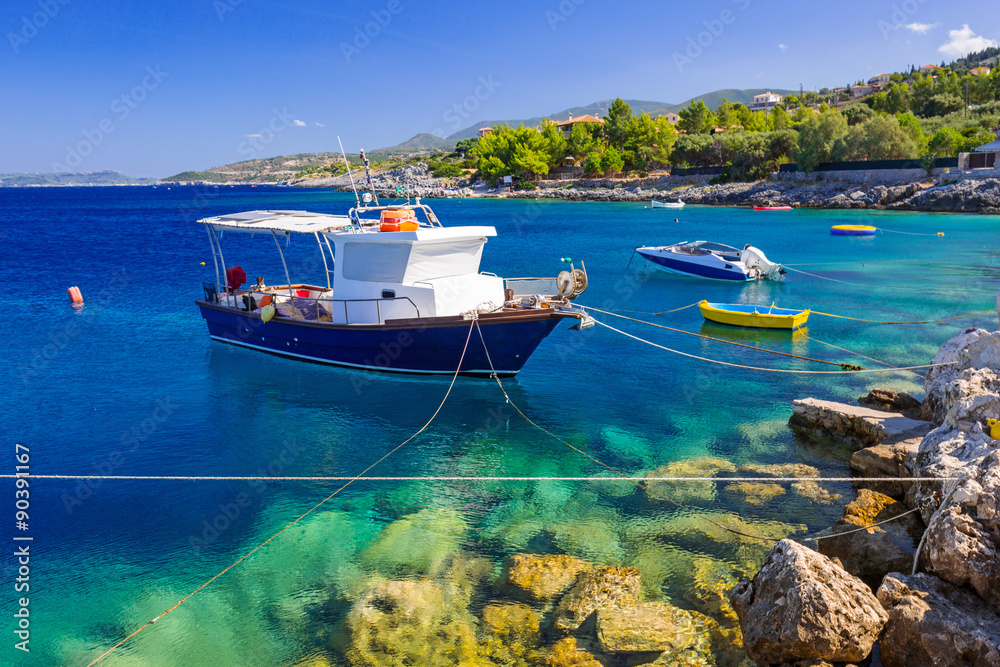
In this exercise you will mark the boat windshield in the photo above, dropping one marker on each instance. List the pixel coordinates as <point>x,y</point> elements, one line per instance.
<point>716,248</point>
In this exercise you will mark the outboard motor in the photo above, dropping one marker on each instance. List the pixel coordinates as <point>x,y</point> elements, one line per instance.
<point>753,258</point>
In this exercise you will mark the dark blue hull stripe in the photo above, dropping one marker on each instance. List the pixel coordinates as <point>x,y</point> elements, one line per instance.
<point>403,349</point>
<point>696,269</point>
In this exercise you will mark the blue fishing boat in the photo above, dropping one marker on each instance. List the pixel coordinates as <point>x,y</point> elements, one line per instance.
<point>712,260</point>
<point>400,294</point>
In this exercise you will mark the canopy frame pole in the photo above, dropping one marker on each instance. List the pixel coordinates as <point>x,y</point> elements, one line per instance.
<point>284,264</point>
<point>326,267</point>
<point>218,244</point>
<point>215,259</point>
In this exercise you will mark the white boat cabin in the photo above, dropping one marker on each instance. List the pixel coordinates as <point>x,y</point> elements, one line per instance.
<point>376,269</point>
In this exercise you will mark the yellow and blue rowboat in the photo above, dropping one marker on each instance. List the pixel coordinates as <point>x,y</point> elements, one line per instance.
<point>758,317</point>
<point>853,230</point>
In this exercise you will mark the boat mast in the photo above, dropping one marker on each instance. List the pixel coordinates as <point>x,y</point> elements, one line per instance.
<point>357,200</point>
<point>368,176</point>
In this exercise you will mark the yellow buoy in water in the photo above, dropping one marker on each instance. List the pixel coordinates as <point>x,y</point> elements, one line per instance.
<point>994,428</point>
<point>940,233</point>
<point>203,263</point>
<point>266,313</point>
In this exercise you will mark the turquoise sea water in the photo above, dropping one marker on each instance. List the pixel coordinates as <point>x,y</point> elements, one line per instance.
<point>130,384</point>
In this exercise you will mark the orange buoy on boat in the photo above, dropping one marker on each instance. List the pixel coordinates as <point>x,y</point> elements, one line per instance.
<point>398,220</point>
<point>74,294</point>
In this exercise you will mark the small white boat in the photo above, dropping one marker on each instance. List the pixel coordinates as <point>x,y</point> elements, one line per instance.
<point>712,260</point>
<point>668,204</point>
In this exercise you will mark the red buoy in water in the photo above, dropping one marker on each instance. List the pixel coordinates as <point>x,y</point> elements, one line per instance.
<point>74,294</point>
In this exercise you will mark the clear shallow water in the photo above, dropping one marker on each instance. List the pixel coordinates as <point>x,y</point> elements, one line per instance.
<point>130,384</point>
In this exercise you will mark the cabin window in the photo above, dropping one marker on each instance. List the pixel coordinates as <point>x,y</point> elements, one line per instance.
<point>388,294</point>
<point>375,262</point>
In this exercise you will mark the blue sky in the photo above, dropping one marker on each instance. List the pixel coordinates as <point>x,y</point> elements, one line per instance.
<point>151,89</point>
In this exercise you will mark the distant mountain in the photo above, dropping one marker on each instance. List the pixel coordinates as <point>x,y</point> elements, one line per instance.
<point>86,178</point>
<point>426,140</point>
<point>712,100</point>
<point>279,168</point>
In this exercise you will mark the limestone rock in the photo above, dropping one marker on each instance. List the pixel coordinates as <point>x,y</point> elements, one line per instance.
<point>963,538</point>
<point>972,348</point>
<point>648,627</point>
<point>946,452</point>
<point>895,460</point>
<point>541,577</point>
<point>754,493</point>
<point>871,554</point>
<point>932,622</point>
<point>604,587</point>
<point>803,606</point>
<point>972,397</point>
<point>888,400</point>
<point>416,543</point>
<point>510,634</point>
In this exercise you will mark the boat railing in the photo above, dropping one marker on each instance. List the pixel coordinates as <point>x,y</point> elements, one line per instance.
<point>544,286</point>
<point>322,307</point>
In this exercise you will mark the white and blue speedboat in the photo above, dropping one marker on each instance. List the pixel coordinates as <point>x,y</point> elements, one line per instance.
<point>712,260</point>
<point>400,293</point>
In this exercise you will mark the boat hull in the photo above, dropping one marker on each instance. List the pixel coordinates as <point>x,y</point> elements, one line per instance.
<point>667,204</point>
<point>705,266</point>
<point>853,230</point>
<point>754,317</point>
<point>427,345</point>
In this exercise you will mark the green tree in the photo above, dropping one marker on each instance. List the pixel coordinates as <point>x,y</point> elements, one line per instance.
<point>582,139</point>
<point>696,118</point>
<point>780,120</point>
<point>616,123</point>
<point>880,138</point>
<point>554,144</point>
<point>942,105</point>
<point>612,162</point>
<point>817,136</point>
<point>858,113</point>
<point>946,142</point>
<point>911,125</point>
<point>692,150</point>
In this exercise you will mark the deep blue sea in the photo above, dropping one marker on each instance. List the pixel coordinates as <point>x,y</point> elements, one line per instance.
<point>129,383</point>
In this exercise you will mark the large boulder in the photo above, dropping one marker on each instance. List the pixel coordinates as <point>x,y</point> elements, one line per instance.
<point>541,578</point>
<point>972,348</point>
<point>962,543</point>
<point>802,606</point>
<point>946,452</point>
<point>932,622</point>
<point>601,588</point>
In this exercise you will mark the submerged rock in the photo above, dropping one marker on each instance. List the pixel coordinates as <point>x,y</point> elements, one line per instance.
<point>932,622</point>
<point>410,622</point>
<point>963,538</point>
<point>688,492</point>
<point>802,606</point>
<point>754,493</point>
<point>596,589</point>
<point>510,634</point>
<point>541,578</point>
<point>417,543</point>
<point>575,652</point>
<point>871,554</point>
<point>653,627</point>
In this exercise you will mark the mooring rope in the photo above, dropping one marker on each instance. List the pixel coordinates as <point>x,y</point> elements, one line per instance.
<point>863,356</point>
<point>770,370</point>
<point>469,478</point>
<point>846,367</point>
<point>307,512</point>
<point>943,319</point>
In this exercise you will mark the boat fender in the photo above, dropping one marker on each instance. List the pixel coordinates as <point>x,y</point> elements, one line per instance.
<point>75,296</point>
<point>994,428</point>
<point>266,313</point>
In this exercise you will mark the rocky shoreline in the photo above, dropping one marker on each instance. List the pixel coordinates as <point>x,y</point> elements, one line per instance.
<point>939,194</point>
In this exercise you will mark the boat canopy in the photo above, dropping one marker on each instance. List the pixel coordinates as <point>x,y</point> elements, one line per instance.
<point>302,222</point>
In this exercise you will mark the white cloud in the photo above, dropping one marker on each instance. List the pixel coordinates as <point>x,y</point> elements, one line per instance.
<point>783,47</point>
<point>319,124</point>
<point>964,41</point>
<point>298,123</point>
<point>921,28</point>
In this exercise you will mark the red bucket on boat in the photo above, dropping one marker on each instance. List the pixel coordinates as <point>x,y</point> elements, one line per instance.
<point>302,292</point>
